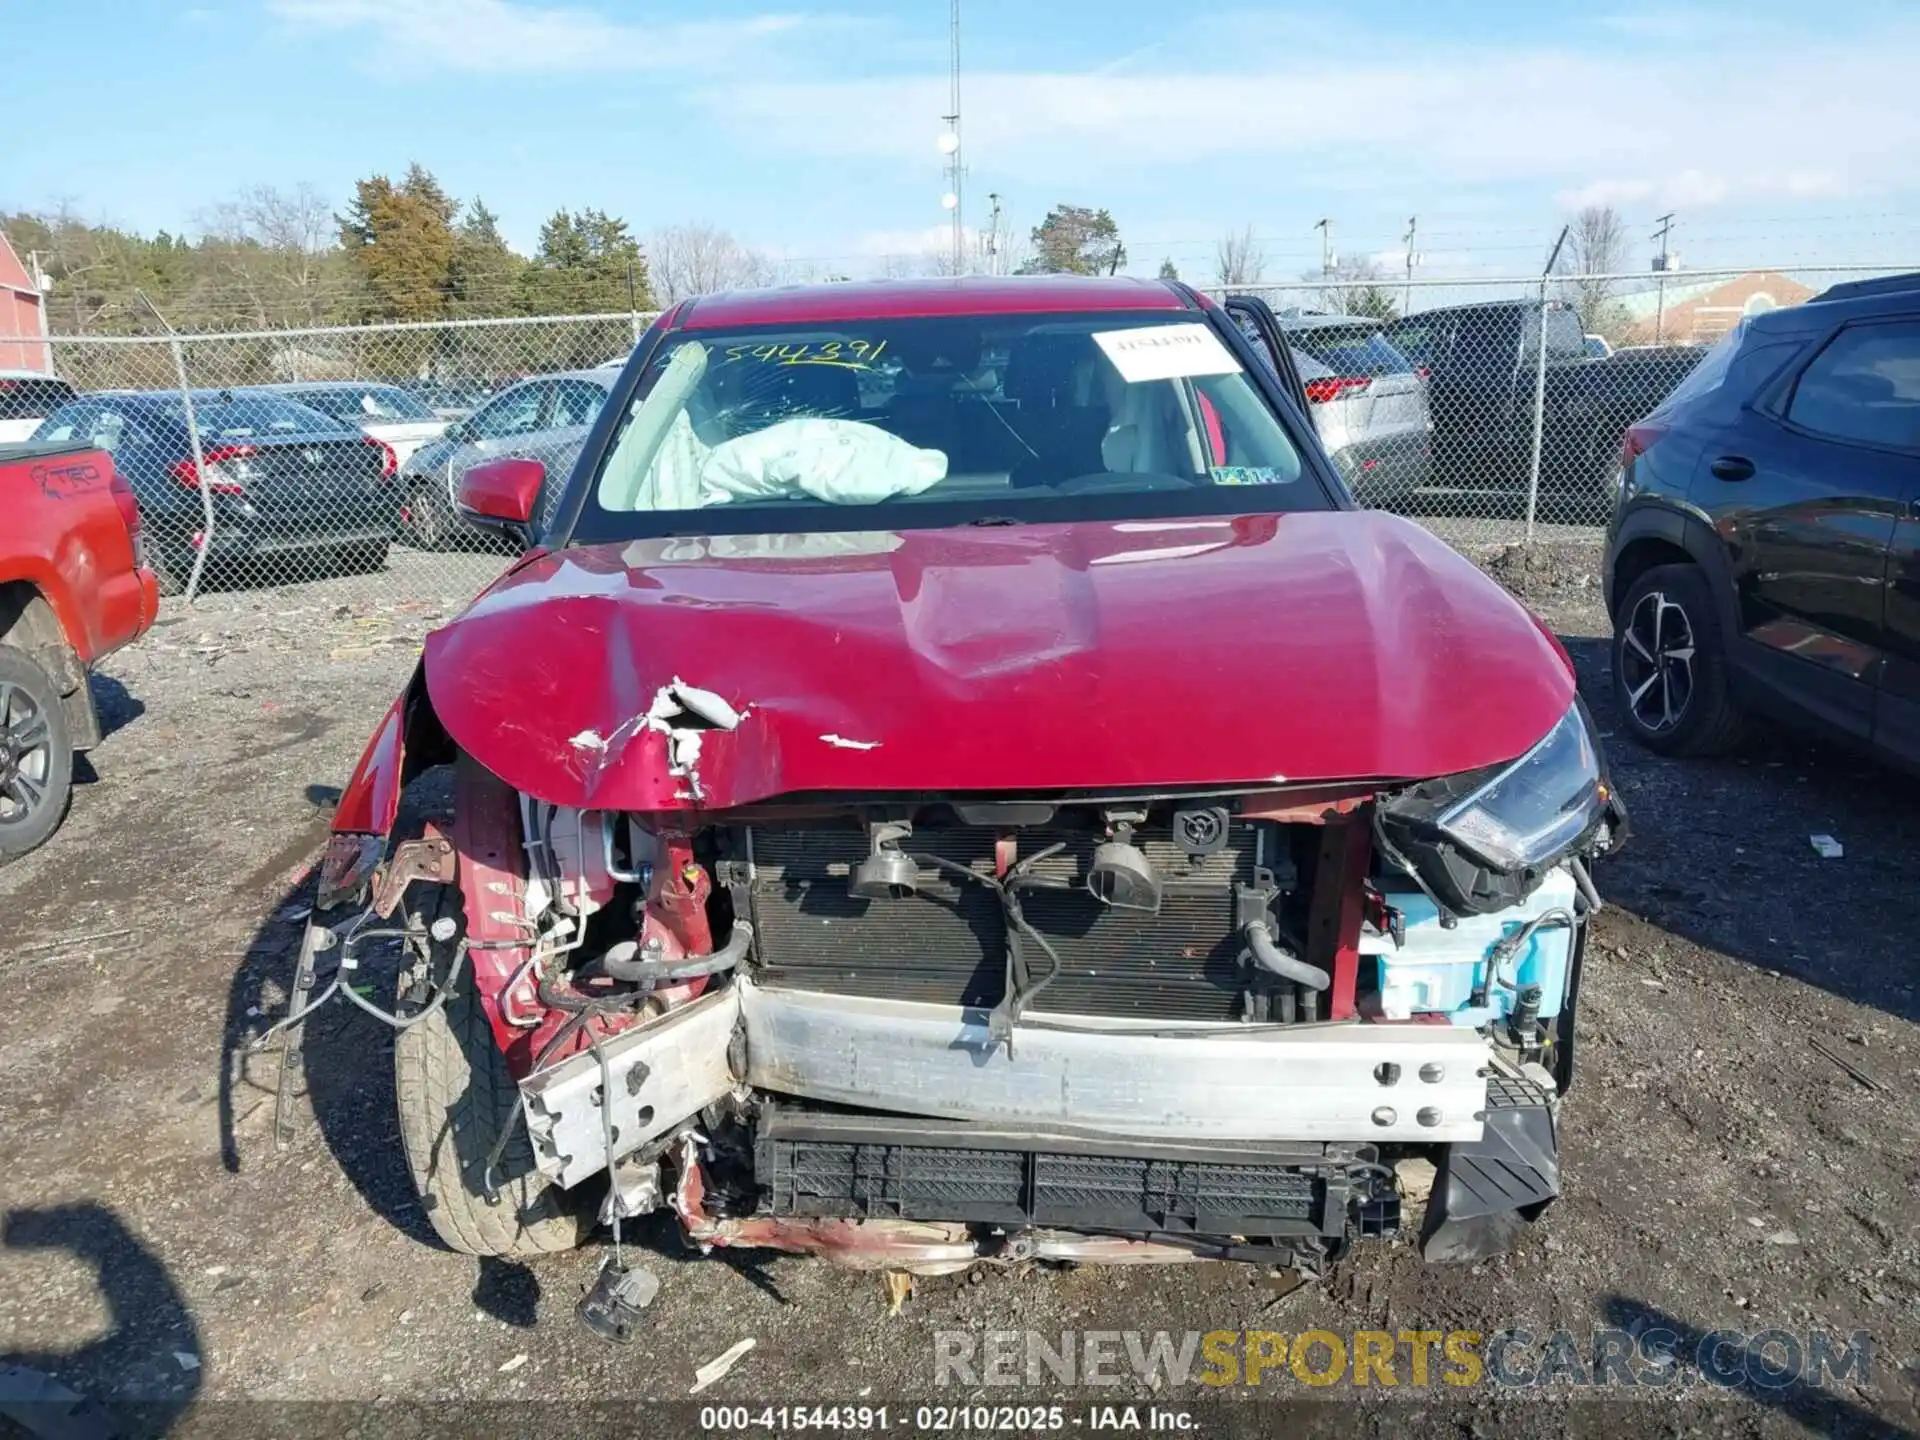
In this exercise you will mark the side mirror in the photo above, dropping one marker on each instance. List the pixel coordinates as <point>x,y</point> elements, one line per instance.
<point>456,432</point>
<point>502,495</point>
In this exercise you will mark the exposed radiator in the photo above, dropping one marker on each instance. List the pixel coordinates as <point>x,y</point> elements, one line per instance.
<point>947,944</point>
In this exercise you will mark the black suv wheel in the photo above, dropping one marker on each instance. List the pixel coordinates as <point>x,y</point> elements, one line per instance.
<point>1670,665</point>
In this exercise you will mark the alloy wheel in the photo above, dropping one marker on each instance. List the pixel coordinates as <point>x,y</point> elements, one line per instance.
<point>1656,662</point>
<point>26,755</point>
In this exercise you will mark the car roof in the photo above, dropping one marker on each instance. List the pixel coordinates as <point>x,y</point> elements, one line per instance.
<point>288,387</point>
<point>949,295</point>
<point>1552,304</point>
<point>1868,289</point>
<point>1329,322</point>
<point>601,376</point>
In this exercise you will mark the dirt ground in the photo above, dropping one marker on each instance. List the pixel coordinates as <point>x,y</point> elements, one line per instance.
<point>1742,1148</point>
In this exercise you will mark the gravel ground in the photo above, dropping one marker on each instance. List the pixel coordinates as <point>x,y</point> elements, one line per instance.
<point>1742,1150</point>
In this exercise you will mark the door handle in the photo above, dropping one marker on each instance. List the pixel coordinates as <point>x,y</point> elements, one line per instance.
<point>1733,467</point>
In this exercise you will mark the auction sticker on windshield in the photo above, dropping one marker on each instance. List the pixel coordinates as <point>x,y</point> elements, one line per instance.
<point>1166,352</point>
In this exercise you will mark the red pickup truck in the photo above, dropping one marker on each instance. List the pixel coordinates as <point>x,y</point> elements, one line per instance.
<point>72,590</point>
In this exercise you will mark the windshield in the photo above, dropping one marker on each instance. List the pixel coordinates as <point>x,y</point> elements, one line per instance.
<point>943,420</point>
<point>364,404</point>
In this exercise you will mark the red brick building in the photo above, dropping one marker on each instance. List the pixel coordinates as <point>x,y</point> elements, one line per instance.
<point>1701,311</point>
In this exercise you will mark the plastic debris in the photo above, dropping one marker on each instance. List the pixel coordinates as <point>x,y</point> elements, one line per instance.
<point>514,1364</point>
<point>186,1360</point>
<point>717,1367</point>
<point>1827,848</point>
<point>611,1309</point>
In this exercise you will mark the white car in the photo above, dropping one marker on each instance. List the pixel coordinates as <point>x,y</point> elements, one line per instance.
<point>394,416</point>
<point>1369,403</point>
<point>26,398</point>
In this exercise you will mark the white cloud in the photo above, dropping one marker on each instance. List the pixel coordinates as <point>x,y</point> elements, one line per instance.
<point>502,37</point>
<point>1766,118</point>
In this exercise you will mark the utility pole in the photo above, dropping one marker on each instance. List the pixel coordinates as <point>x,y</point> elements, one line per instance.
<point>1413,228</point>
<point>1661,263</point>
<point>1327,258</point>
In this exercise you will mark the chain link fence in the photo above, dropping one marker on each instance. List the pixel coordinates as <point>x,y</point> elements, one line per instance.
<point>268,458</point>
<point>1491,410</point>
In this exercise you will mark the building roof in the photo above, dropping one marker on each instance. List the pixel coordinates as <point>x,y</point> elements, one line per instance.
<point>1642,304</point>
<point>13,275</point>
<point>899,299</point>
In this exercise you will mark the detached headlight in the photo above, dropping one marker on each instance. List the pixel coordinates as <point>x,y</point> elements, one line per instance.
<point>1531,813</point>
<point>1481,842</point>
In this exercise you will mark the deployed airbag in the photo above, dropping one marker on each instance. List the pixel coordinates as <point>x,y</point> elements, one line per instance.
<point>843,462</point>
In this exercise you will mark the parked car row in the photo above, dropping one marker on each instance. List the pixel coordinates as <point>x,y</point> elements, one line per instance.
<point>332,470</point>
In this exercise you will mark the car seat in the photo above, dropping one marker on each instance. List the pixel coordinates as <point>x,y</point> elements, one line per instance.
<point>1062,413</point>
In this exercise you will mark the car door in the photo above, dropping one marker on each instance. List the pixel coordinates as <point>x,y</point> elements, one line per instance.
<point>1452,347</point>
<point>1896,418</point>
<point>1805,489</point>
<point>571,410</point>
<point>497,427</point>
<point>1255,320</point>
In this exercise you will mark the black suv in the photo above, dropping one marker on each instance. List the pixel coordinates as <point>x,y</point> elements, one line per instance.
<point>1765,548</point>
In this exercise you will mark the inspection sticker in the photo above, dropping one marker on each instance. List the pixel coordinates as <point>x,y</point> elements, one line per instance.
<point>1166,352</point>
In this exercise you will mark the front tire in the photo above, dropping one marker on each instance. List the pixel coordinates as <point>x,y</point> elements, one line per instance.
<point>430,519</point>
<point>455,1096</point>
<point>1670,666</point>
<point>36,755</point>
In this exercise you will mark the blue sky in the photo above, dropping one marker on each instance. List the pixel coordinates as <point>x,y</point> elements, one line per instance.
<point>1779,132</point>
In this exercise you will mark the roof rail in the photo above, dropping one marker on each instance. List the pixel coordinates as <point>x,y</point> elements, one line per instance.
<point>1861,289</point>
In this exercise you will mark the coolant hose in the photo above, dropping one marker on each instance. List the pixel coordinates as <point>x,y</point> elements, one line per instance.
<point>1270,957</point>
<point>621,962</point>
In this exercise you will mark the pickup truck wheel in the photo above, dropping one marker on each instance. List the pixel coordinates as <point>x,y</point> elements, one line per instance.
<point>455,1096</point>
<point>36,754</point>
<point>1670,676</point>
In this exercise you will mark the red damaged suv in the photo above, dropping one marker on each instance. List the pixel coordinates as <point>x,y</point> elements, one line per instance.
<point>957,780</point>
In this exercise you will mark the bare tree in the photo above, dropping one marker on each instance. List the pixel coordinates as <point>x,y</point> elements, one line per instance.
<point>1596,247</point>
<point>687,260</point>
<point>272,249</point>
<point>1359,287</point>
<point>1239,259</point>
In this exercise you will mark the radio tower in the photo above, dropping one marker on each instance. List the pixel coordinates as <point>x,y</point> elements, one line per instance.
<point>954,199</point>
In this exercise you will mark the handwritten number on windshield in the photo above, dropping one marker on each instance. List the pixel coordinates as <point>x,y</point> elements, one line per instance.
<point>848,354</point>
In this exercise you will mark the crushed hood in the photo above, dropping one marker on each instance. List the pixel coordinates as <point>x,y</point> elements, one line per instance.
<point>1252,650</point>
